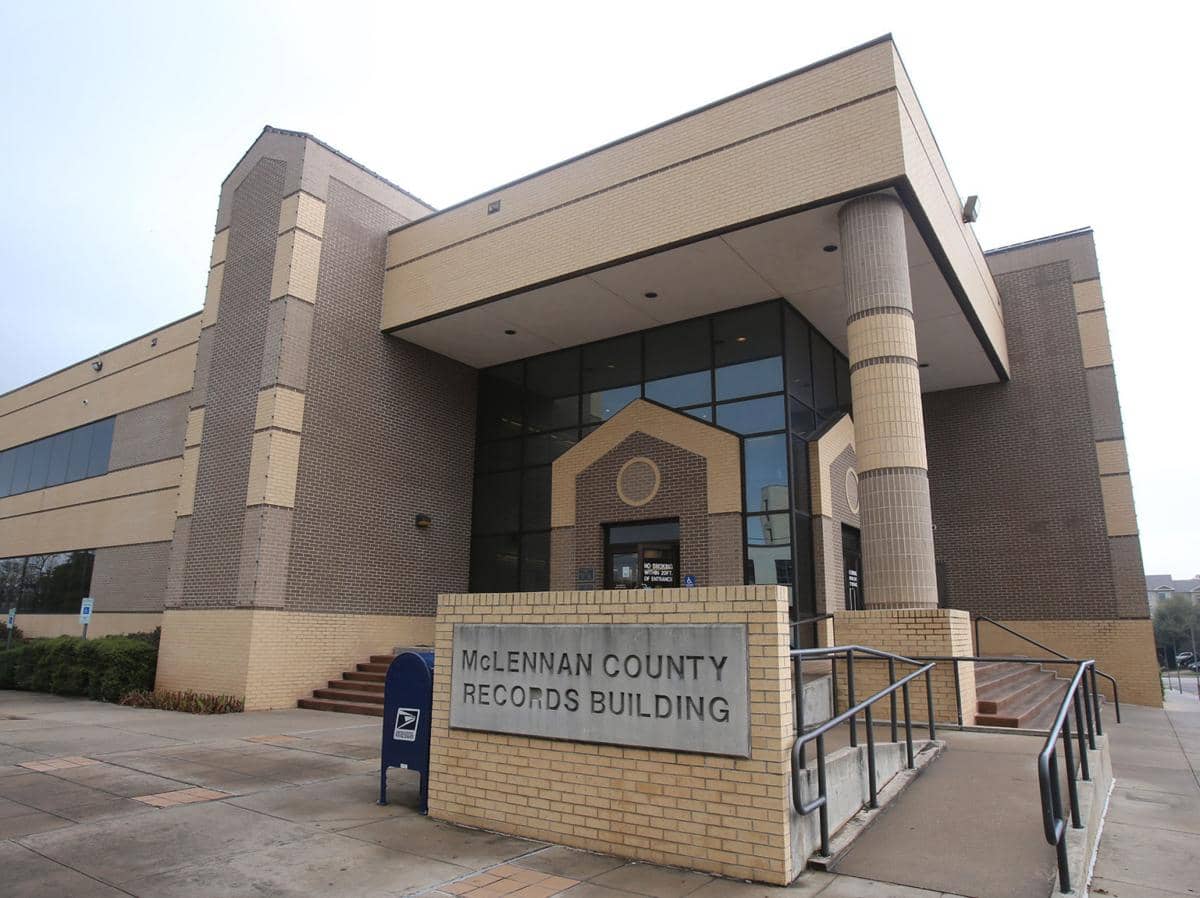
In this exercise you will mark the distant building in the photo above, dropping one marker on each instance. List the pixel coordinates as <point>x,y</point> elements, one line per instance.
<point>1163,586</point>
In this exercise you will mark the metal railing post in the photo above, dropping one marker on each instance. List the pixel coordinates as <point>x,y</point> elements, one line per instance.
<point>824,811</point>
<point>1072,789</point>
<point>833,682</point>
<point>1087,707</point>
<point>1096,702</point>
<point>929,703</point>
<point>798,680</point>
<point>892,697</point>
<point>871,759</point>
<point>1084,772</point>
<point>958,694</point>
<point>1060,841</point>
<point>908,727</point>
<point>850,698</point>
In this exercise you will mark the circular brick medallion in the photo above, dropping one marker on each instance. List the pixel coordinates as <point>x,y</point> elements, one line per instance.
<point>638,481</point>
<point>852,490</point>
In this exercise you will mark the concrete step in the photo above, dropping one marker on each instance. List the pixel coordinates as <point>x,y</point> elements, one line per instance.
<point>997,673</point>
<point>1013,692</point>
<point>1032,708</point>
<point>343,695</point>
<point>322,704</point>
<point>360,676</point>
<point>358,685</point>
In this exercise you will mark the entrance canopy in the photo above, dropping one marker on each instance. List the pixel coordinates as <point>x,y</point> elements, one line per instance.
<point>725,206</point>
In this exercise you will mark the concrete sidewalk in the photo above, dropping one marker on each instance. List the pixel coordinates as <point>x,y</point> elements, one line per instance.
<point>120,801</point>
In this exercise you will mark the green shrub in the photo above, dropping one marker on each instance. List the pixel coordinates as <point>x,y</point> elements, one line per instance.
<point>103,669</point>
<point>188,701</point>
<point>18,636</point>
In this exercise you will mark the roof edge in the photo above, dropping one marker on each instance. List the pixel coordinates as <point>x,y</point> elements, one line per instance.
<point>304,135</point>
<point>883,38</point>
<point>93,355</point>
<point>1064,235</point>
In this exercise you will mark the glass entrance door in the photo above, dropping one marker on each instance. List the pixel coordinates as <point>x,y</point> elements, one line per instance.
<point>641,556</point>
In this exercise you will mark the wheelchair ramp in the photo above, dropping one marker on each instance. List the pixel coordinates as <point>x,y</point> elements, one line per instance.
<point>970,825</point>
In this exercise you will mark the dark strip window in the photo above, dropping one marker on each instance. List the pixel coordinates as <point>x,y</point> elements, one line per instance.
<point>46,584</point>
<point>61,458</point>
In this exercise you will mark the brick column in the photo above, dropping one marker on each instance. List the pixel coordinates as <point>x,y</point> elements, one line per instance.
<point>897,532</point>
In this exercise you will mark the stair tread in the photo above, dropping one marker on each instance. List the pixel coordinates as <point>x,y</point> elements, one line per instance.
<point>357,685</point>
<point>344,695</point>
<point>364,676</point>
<point>367,667</point>
<point>382,659</point>
<point>321,704</point>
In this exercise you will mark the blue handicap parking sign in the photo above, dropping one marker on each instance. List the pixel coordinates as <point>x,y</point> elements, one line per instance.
<point>689,581</point>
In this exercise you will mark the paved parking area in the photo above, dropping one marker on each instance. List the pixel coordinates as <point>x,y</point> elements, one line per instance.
<point>99,800</point>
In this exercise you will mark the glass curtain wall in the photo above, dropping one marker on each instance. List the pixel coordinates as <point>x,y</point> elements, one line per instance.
<point>759,371</point>
<point>61,458</point>
<point>46,584</point>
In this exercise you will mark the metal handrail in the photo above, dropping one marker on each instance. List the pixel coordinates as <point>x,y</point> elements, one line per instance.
<point>799,763</point>
<point>1055,652</point>
<point>1054,820</point>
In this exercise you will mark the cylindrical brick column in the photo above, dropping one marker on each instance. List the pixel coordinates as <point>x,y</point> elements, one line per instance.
<point>889,428</point>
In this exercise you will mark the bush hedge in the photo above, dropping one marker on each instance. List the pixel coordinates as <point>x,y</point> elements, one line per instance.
<point>186,701</point>
<point>105,668</point>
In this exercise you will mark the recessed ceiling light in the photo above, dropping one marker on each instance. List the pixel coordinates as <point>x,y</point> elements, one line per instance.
<point>650,294</point>
<point>741,339</point>
<point>510,331</point>
<point>830,247</point>
<point>922,364</point>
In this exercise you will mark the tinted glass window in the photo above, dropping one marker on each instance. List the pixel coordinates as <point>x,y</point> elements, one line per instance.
<point>768,549</point>
<point>802,579</point>
<point>40,464</point>
<point>766,478</point>
<point>494,563</point>
<point>535,561</point>
<point>704,413</point>
<point>22,464</point>
<point>60,450</point>
<point>842,376</point>
<point>803,420</point>
<point>543,448</point>
<point>682,389</point>
<point>552,391</point>
<point>6,470</point>
<point>824,376</point>
<point>662,531</point>
<point>612,363</point>
<point>801,490</point>
<point>46,583</point>
<point>799,359</point>
<point>500,455</point>
<point>81,453</point>
<point>753,415</point>
<point>500,413</point>
<point>497,497</point>
<point>746,334</point>
<point>535,499</point>
<point>602,405</point>
<point>750,378</point>
<point>101,449</point>
<point>678,363</point>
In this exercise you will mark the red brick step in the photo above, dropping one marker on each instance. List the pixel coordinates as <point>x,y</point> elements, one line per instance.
<point>359,691</point>
<point>321,704</point>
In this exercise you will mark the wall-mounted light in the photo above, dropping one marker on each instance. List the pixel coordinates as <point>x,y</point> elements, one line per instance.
<point>650,294</point>
<point>971,210</point>
<point>97,365</point>
<point>424,522</point>
<point>830,247</point>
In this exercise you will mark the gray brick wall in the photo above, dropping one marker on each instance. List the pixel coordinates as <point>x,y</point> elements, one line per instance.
<point>131,578</point>
<point>389,432</point>
<point>1014,481</point>
<point>150,433</point>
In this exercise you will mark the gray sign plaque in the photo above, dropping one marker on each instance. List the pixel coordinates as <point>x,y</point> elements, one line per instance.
<point>682,687</point>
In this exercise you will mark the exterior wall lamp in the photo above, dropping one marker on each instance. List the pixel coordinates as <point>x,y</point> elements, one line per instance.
<point>424,522</point>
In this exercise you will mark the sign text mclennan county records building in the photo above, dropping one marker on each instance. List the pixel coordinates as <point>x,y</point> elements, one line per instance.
<point>680,687</point>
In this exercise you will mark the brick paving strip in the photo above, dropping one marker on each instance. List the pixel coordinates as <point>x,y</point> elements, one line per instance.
<point>509,880</point>
<point>58,764</point>
<point>180,796</point>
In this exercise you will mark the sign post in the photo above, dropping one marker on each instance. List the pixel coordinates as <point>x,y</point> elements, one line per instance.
<point>12,620</point>
<point>85,613</point>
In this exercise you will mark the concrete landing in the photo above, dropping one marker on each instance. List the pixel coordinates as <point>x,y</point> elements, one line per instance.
<point>971,825</point>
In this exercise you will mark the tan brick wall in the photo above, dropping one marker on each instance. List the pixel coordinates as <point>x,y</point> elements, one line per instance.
<point>273,658</point>
<point>102,624</point>
<point>1124,649</point>
<point>121,521</point>
<point>910,632</point>
<point>723,815</point>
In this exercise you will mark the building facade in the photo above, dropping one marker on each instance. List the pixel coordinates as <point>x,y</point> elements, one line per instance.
<point>757,344</point>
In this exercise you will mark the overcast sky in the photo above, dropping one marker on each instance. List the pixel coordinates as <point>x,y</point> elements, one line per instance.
<point>119,121</point>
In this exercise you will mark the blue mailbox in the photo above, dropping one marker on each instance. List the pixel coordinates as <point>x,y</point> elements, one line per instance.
<point>407,708</point>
